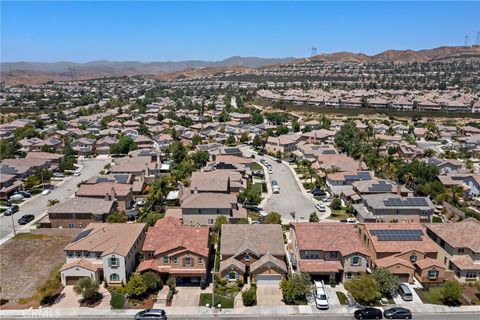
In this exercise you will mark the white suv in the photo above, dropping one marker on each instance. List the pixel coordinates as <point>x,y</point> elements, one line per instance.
<point>321,299</point>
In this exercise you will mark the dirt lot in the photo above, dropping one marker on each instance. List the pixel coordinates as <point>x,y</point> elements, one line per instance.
<point>28,260</point>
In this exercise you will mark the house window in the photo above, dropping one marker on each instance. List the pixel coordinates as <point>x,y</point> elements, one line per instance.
<point>79,254</point>
<point>175,260</point>
<point>461,250</point>
<point>247,257</point>
<point>355,261</point>
<point>114,277</point>
<point>71,225</point>
<point>433,274</point>
<point>232,275</point>
<point>413,258</point>
<point>333,254</point>
<point>70,254</point>
<point>349,275</point>
<point>113,262</point>
<point>97,255</point>
<point>87,254</point>
<point>165,259</point>
<point>210,221</point>
<point>200,260</point>
<point>445,260</point>
<point>470,275</point>
<point>188,262</point>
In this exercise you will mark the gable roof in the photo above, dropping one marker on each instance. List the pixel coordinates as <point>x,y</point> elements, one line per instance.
<point>268,260</point>
<point>258,238</point>
<point>459,234</point>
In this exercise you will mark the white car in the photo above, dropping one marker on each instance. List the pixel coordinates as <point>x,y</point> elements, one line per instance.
<point>321,298</point>
<point>77,173</point>
<point>45,192</point>
<point>17,196</point>
<point>275,187</point>
<point>351,221</point>
<point>320,207</point>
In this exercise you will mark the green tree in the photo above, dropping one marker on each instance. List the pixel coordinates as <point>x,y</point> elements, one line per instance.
<point>295,126</point>
<point>249,297</point>
<point>336,204</point>
<point>136,286</point>
<point>8,149</point>
<point>244,137</point>
<point>153,281</point>
<point>231,141</point>
<point>313,217</point>
<point>295,288</point>
<point>200,158</point>
<point>273,218</point>
<point>87,288</point>
<point>117,217</point>
<point>364,289</point>
<point>123,146</point>
<point>196,140</point>
<point>257,141</point>
<point>219,221</point>
<point>178,152</point>
<point>452,292</point>
<point>249,196</point>
<point>158,191</point>
<point>387,282</point>
<point>281,129</point>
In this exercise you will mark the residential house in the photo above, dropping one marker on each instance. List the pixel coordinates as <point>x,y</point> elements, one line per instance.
<point>285,144</point>
<point>120,192</point>
<point>175,250</point>
<point>103,252</point>
<point>255,250</point>
<point>328,251</point>
<point>459,247</point>
<point>79,212</point>
<point>404,249</point>
<point>83,146</point>
<point>387,207</point>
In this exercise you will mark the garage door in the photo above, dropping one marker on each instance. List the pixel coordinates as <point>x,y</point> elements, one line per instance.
<point>268,279</point>
<point>72,280</point>
<point>403,277</point>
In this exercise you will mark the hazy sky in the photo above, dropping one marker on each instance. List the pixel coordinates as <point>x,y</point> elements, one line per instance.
<point>160,31</point>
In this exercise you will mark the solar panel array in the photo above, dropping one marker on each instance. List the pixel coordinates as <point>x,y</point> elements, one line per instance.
<point>406,202</point>
<point>398,235</point>
<point>81,235</point>
<point>359,176</point>
<point>381,186</point>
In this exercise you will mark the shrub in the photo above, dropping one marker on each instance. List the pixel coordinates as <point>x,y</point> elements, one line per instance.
<point>152,280</point>
<point>171,282</point>
<point>136,286</point>
<point>118,300</point>
<point>240,283</point>
<point>336,204</point>
<point>87,288</point>
<point>364,289</point>
<point>249,297</point>
<point>386,280</point>
<point>333,283</point>
<point>452,292</point>
<point>295,289</point>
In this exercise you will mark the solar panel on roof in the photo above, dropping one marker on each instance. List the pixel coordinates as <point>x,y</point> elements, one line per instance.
<point>398,235</point>
<point>406,202</point>
<point>81,235</point>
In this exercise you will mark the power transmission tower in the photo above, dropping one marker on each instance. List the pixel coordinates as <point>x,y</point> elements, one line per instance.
<point>478,38</point>
<point>314,51</point>
<point>466,41</point>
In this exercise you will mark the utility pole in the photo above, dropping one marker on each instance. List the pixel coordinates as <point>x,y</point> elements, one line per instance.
<point>13,225</point>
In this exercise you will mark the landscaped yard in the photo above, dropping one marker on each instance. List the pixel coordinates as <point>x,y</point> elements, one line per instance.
<point>432,295</point>
<point>340,215</point>
<point>342,298</point>
<point>226,303</point>
<point>252,214</point>
<point>29,261</point>
<point>256,166</point>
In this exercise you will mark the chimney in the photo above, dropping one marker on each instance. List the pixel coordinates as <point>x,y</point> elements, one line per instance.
<point>195,191</point>
<point>399,189</point>
<point>114,196</point>
<point>107,197</point>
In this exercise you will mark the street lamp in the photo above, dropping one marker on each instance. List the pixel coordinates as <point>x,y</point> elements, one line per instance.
<point>13,225</point>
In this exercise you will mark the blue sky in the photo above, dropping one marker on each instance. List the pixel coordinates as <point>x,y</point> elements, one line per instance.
<point>160,31</point>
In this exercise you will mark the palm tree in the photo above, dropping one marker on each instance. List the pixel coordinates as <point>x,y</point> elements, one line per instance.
<point>158,191</point>
<point>455,193</point>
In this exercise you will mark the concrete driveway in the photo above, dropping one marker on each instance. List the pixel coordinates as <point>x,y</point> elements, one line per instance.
<point>269,296</point>
<point>69,299</point>
<point>416,299</point>
<point>187,297</point>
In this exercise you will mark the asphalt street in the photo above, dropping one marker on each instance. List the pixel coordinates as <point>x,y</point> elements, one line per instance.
<point>291,198</point>
<point>38,205</point>
<point>326,316</point>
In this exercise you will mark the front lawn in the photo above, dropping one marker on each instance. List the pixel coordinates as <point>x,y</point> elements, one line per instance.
<point>432,295</point>
<point>342,298</point>
<point>340,215</point>
<point>436,219</point>
<point>206,298</point>
<point>256,166</point>
<point>257,187</point>
<point>252,214</point>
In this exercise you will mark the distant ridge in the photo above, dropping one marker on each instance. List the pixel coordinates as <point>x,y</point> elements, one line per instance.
<point>14,73</point>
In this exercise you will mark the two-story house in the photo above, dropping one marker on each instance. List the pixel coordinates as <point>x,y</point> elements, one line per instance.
<point>285,144</point>
<point>328,251</point>
<point>404,249</point>
<point>387,207</point>
<point>175,250</point>
<point>104,252</point>
<point>459,247</point>
<point>252,249</point>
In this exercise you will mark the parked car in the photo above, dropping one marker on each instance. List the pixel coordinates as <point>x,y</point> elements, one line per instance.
<point>368,313</point>
<point>351,221</point>
<point>17,196</point>
<point>258,173</point>
<point>11,210</point>
<point>293,262</point>
<point>291,160</point>
<point>397,313</point>
<point>405,292</point>
<point>320,207</point>
<point>58,175</point>
<point>45,192</point>
<point>151,314</point>
<point>77,173</point>
<point>26,218</point>
<point>270,169</point>
<point>24,194</point>
<point>328,199</point>
<point>317,192</point>
<point>278,160</point>
<point>321,298</point>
